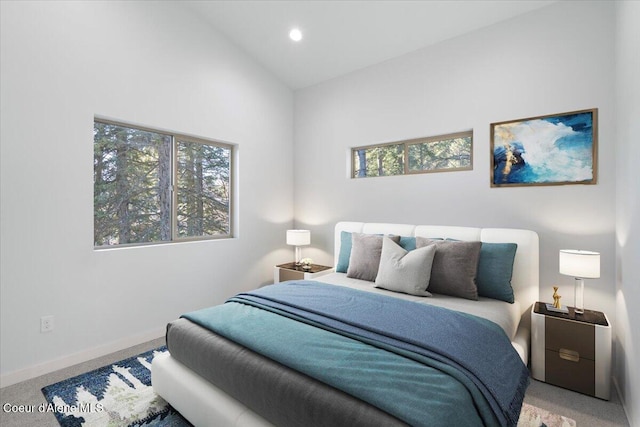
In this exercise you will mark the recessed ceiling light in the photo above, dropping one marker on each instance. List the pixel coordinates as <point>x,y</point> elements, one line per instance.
<point>295,35</point>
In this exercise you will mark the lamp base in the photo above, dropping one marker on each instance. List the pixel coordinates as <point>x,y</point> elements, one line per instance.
<point>579,295</point>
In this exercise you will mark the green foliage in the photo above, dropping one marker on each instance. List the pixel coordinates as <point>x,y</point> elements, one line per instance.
<point>430,155</point>
<point>383,160</point>
<point>133,178</point>
<point>443,154</point>
<point>203,189</point>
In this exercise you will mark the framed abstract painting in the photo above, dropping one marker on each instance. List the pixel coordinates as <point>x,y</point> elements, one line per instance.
<point>555,149</point>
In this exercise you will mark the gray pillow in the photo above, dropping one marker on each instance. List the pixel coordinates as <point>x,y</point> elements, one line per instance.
<point>454,269</point>
<point>404,271</point>
<point>365,256</point>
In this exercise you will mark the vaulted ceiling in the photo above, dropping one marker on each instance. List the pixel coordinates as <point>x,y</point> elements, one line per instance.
<point>343,36</point>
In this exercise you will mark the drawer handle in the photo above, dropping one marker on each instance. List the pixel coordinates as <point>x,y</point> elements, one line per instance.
<point>570,355</point>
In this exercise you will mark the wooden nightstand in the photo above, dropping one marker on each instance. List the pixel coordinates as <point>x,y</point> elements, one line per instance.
<point>290,271</point>
<point>572,351</point>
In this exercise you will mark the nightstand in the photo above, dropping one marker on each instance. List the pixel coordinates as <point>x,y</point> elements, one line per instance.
<point>290,271</point>
<point>572,351</point>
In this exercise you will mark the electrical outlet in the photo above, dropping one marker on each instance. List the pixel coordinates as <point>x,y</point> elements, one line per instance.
<point>46,324</point>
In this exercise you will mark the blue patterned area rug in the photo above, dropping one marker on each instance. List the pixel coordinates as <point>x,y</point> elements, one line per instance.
<point>117,395</point>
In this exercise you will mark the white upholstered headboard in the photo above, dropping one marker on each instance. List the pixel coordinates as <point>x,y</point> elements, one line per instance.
<point>525,279</point>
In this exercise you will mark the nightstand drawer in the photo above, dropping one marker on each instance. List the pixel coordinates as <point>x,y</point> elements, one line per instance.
<point>575,375</point>
<point>574,336</point>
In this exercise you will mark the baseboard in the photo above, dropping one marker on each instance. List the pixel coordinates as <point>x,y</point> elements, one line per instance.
<point>80,357</point>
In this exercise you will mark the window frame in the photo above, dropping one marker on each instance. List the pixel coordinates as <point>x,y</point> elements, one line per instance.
<point>173,186</point>
<point>410,142</point>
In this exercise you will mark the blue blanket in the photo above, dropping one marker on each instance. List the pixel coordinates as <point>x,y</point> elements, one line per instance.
<point>474,351</point>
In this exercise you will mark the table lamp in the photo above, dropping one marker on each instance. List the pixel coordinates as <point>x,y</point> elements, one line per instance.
<point>581,265</point>
<point>298,238</point>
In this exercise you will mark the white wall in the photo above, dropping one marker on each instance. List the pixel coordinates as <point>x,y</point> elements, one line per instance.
<point>153,64</point>
<point>556,59</point>
<point>628,205</point>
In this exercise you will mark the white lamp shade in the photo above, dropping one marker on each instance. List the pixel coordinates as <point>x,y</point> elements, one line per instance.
<point>298,237</point>
<point>582,264</point>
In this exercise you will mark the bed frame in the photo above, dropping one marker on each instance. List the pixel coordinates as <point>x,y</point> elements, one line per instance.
<point>203,404</point>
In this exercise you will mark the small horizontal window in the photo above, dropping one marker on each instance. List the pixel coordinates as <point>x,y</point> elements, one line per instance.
<point>432,154</point>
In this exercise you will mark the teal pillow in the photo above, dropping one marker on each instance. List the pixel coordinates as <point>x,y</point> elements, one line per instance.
<point>345,252</point>
<point>407,243</point>
<point>495,269</point>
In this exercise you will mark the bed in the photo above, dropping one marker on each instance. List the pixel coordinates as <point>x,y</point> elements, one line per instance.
<point>220,379</point>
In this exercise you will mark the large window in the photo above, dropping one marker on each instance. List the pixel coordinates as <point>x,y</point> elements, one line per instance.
<point>152,186</point>
<point>433,154</point>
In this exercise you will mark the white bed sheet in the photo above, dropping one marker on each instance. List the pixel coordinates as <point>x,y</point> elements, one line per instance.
<point>505,315</point>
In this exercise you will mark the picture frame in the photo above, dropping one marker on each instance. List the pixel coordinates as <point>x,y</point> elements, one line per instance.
<point>554,149</point>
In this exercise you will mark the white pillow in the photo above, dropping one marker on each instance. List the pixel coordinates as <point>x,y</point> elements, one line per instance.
<point>405,271</point>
